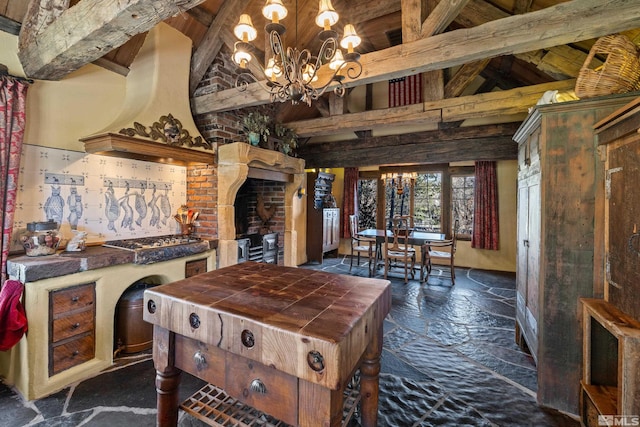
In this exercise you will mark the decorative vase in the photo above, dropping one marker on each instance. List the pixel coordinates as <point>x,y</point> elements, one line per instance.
<point>254,138</point>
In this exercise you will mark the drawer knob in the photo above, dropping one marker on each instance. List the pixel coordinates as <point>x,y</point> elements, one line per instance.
<point>315,360</point>
<point>75,326</point>
<point>75,298</point>
<point>258,386</point>
<point>151,306</point>
<point>194,320</point>
<point>75,353</point>
<point>247,338</point>
<point>201,361</point>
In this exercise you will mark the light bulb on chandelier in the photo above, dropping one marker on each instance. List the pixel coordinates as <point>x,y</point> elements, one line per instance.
<point>290,72</point>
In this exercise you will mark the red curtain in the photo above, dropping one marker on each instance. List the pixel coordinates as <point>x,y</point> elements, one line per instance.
<point>13,94</point>
<point>485,214</point>
<point>349,200</point>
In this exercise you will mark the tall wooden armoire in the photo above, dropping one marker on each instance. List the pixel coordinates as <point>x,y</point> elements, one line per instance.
<point>611,374</point>
<point>557,175</point>
<point>323,222</point>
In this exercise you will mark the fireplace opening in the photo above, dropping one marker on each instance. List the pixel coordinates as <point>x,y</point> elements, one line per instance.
<point>132,334</point>
<point>259,220</point>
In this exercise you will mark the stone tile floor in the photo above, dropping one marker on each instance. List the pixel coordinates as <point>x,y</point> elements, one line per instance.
<point>449,359</point>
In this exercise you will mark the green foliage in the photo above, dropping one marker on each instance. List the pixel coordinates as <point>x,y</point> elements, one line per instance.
<point>258,123</point>
<point>288,138</point>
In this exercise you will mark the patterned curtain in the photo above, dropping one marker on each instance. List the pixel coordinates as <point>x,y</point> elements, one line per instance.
<point>350,200</point>
<point>485,214</point>
<point>13,94</point>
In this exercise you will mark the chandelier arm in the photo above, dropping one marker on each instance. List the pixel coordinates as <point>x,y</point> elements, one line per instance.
<point>243,81</point>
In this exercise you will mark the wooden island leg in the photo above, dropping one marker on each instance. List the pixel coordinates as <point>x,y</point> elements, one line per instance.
<point>167,377</point>
<point>369,381</point>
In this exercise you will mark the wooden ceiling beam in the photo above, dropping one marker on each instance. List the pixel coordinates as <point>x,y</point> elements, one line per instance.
<point>560,24</point>
<point>464,77</point>
<point>87,31</point>
<point>492,104</point>
<point>490,142</point>
<point>210,45</point>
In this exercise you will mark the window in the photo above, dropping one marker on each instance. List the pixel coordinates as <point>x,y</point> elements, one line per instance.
<point>462,189</point>
<point>367,203</point>
<point>439,196</point>
<point>428,202</point>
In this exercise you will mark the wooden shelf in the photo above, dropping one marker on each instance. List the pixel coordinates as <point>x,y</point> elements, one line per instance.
<point>604,398</point>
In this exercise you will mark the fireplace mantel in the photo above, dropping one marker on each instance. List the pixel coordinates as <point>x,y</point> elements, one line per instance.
<point>237,162</point>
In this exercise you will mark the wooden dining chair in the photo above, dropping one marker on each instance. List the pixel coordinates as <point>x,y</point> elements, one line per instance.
<point>361,245</point>
<point>397,250</point>
<point>441,251</point>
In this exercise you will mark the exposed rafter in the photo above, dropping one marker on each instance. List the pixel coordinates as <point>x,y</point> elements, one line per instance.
<point>561,24</point>
<point>86,32</point>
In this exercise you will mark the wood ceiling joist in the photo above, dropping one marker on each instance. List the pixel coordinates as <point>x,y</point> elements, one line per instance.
<point>464,77</point>
<point>492,104</point>
<point>210,45</point>
<point>87,31</point>
<point>561,24</point>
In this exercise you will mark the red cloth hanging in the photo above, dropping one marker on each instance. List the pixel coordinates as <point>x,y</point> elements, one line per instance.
<point>13,319</point>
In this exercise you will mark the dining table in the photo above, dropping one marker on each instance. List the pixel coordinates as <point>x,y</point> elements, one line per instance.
<point>416,238</point>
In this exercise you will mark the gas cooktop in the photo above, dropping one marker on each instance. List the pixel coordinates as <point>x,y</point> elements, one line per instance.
<point>151,242</point>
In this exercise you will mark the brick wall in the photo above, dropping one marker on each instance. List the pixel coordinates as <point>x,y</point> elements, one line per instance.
<point>202,196</point>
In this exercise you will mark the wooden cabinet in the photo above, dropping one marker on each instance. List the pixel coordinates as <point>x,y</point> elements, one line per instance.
<point>611,375</point>
<point>323,223</point>
<point>330,229</point>
<point>557,175</point>
<point>72,315</point>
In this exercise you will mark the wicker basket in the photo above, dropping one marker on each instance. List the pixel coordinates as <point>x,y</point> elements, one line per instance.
<point>620,72</point>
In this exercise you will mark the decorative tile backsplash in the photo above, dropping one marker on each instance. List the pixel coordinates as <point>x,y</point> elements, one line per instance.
<point>108,198</point>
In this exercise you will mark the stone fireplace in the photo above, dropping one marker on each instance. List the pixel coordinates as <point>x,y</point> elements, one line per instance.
<point>266,170</point>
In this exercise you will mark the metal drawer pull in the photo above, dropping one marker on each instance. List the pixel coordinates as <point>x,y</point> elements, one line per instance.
<point>201,362</point>
<point>75,326</point>
<point>75,298</point>
<point>258,386</point>
<point>75,353</point>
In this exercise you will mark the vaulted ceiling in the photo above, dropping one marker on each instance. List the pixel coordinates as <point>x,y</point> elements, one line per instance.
<point>485,60</point>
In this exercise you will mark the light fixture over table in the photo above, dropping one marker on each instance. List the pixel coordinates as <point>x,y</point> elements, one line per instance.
<point>293,74</point>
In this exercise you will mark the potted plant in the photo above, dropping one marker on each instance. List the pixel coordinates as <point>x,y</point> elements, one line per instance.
<point>256,125</point>
<point>288,140</point>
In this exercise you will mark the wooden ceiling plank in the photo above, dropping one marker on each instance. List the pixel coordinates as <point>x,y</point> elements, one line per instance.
<point>464,77</point>
<point>412,13</point>
<point>557,25</point>
<point>210,45</point>
<point>87,31</point>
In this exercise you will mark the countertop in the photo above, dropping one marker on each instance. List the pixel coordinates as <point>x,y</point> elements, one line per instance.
<point>30,269</point>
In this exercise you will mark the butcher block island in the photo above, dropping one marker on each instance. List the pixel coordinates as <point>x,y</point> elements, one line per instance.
<point>280,343</point>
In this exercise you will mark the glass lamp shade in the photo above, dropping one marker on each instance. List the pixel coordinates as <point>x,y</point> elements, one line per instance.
<point>337,60</point>
<point>274,10</point>
<point>244,30</point>
<point>309,75</point>
<point>272,71</point>
<point>350,38</point>
<point>241,57</point>
<point>326,16</point>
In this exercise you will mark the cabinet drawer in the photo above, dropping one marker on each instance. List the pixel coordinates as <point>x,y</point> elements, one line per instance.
<point>66,326</point>
<point>71,353</point>
<point>262,387</point>
<point>194,267</point>
<point>74,298</point>
<point>235,374</point>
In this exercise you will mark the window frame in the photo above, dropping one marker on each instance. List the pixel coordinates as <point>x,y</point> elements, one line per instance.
<point>447,171</point>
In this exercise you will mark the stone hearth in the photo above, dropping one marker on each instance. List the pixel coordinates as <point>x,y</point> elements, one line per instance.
<point>239,161</point>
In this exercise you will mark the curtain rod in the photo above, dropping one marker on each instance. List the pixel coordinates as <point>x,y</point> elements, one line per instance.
<point>4,71</point>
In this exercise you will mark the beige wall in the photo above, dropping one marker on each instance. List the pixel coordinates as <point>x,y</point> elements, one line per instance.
<point>59,113</point>
<point>501,260</point>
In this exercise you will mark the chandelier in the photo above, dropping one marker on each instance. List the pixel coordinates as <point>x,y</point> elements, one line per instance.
<point>399,181</point>
<point>293,74</point>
